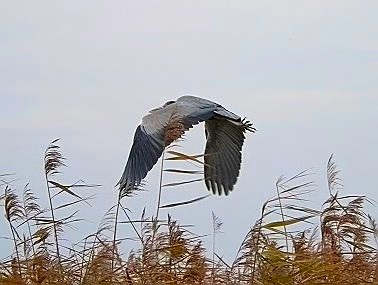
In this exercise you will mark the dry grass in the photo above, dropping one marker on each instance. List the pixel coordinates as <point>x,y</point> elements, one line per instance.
<point>288,244</point>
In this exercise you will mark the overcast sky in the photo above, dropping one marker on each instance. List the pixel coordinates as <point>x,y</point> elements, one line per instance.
<point>305,72</point>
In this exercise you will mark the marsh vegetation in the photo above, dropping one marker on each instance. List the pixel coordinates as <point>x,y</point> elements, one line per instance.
<point>288,244</point>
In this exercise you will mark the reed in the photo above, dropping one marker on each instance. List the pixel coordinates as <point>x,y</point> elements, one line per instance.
<point>288,244</point>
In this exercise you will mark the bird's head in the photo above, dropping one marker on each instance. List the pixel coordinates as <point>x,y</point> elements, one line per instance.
<point>165,105</point>
<point>168,103</point>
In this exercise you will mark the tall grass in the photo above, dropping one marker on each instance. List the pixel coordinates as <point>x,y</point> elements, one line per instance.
<point>288,244</point>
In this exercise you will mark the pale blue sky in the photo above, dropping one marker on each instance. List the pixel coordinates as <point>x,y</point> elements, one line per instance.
<point>305,72</point>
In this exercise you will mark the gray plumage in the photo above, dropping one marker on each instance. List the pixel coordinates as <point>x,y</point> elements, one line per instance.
<point>224,132</point>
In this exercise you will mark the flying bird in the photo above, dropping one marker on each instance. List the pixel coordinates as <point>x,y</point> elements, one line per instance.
<point>225,134</point>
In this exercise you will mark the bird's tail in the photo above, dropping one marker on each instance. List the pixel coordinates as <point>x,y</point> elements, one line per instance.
<point>225,113</point>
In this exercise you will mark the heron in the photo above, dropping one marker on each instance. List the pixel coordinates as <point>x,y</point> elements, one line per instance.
<point>224,131</point>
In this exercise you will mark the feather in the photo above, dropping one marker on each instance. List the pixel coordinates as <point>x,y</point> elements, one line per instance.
<point>163,125</point>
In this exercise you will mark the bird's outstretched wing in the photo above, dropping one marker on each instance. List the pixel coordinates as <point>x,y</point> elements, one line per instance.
<point>157,130</point>
<point>144,153</point>
<point>223,152</point>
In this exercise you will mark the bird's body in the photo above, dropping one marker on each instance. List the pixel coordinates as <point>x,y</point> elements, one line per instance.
<point>163,125</point>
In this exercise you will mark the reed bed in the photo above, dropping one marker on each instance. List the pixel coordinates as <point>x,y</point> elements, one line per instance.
<point>288,244</point>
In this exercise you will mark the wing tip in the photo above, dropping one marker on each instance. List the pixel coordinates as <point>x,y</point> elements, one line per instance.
<point>216,187</point>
